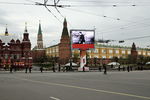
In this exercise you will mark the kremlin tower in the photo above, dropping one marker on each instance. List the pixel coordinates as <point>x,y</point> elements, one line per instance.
<point>64,45</point>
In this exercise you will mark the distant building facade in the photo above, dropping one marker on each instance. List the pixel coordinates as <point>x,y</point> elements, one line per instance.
<point>15,53</point>
<point>104,52</point>
<point>53,51</point>
<point>109,51</point>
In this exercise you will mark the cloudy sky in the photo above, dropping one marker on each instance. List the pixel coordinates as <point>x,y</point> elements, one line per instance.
<point>112,19</point>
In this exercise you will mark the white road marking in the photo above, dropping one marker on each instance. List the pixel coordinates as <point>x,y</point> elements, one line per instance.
<point>84,88</point>
<point>54,98</point>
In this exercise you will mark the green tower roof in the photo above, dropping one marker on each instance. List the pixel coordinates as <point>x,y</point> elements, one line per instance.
<point>39,31</point>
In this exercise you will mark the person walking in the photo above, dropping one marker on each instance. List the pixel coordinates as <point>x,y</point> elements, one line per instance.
<point>112,66</point>
<point>30,68</point>
<point>41,69</point>
<point>59,68</point>
<point>119,68</point>
<point>83,69</point>
<point>53,68</point>
<point>128,68</point>
<point>100,69</point>
<point>26,69</point>
<point>11,69</point>
<point>15,68</point>
<point>105,69</point>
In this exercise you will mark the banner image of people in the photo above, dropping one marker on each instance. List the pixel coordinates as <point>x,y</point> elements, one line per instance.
<point>82,38</point>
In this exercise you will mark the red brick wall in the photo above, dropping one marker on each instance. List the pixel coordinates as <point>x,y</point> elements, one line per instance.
<point>64,50</point>
<point>38,53</point>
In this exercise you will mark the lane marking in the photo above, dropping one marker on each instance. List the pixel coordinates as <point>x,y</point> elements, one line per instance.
<point>54,98</point>
<point>84,88</point>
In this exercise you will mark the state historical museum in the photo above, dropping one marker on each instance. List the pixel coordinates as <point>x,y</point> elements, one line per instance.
<point>15,52</point>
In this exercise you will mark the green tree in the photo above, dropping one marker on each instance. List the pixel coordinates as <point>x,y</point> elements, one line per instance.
<point>131,59</point>
<point>142,59</point>
<point>115,59</point>
<point>75,57</point>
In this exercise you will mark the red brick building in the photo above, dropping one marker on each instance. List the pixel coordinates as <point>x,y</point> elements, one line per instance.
<point>15,53</point>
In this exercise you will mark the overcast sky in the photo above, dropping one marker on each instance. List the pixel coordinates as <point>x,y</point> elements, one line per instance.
<point>88,14</point>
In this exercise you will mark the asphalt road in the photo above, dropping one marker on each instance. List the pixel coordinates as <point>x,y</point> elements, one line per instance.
<point>75,86</point>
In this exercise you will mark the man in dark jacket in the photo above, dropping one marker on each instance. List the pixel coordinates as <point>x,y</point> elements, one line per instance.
<point>30,68</point>
<point>41,69</point>
<point>105,69</point>
<point>26,69</point>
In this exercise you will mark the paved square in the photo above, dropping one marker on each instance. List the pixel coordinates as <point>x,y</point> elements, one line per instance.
<point>75,86</point>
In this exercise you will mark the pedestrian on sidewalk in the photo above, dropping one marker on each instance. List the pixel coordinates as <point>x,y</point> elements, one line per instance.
<point>83,69</point>
<point>59,68</point>
<point>26,69</point>
<point>11,69</point>
<point>128,68</point>
<point>105,69</point>
<point>119,68</point>
<point>30,68</point>
<point>100,69</point>
<point>53,68</point>
<point>41,69</point>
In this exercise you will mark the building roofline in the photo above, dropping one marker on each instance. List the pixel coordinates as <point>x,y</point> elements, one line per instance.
<point>53,45</point>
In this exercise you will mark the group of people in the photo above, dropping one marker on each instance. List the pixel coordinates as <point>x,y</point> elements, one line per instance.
<point>128,68</point>
<point>104,67</point>
<point>67,68</point>
<point>26,69</point>
<point>11,69</point>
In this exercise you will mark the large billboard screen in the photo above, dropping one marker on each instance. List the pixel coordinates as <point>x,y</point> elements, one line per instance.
<point>82,39</point>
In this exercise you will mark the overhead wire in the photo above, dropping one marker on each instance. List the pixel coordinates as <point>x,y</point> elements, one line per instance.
<point>122,40</point>
<point>56,2</point>
<point>84,5</point>
<point>99,1</point>
<point>52,13</point>
<point>108,31</point>
<point>16,3</point>
<point>30,1</point>
<point>129,27</point>
<point>134,38</point>
<point>81,11</point>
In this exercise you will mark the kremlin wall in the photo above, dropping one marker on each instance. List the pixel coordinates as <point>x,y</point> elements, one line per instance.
<point>15,52</point>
